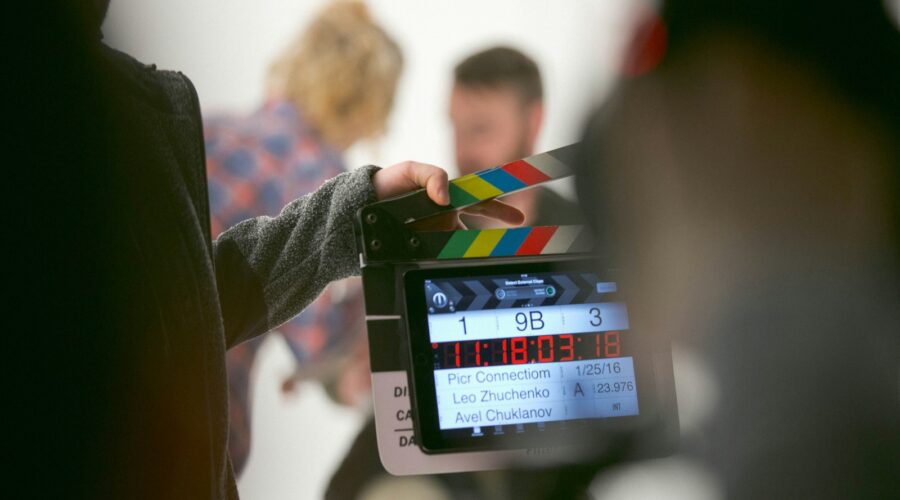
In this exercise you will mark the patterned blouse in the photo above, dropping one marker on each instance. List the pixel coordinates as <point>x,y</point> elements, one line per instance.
<point>256,165</point>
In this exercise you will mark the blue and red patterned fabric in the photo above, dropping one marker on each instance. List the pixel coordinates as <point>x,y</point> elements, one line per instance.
<point>256,165</point>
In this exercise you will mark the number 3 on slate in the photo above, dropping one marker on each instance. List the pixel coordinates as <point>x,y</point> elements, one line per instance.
<point>596,320</point>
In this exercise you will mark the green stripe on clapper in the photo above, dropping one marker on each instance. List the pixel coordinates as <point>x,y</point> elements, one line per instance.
<point>460,198</point>
<point>458,244</point>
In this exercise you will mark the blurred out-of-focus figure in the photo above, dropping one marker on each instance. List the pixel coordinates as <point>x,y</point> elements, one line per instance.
<point>497,110</point>
<point>333,86</point>
<point>748,189</point>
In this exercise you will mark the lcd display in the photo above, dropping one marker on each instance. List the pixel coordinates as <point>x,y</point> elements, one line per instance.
<point>522,354</point>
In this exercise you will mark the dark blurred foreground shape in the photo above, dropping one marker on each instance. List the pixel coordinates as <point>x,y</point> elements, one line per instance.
<point>749,188</point>
<point>131,305</point>
<point>118,278</point>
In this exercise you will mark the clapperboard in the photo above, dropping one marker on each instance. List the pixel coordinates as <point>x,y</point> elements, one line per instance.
<point>390,251</point>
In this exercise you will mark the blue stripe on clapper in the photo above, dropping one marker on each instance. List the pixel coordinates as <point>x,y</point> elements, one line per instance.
<point>510,242</point>
<point>501,180</point>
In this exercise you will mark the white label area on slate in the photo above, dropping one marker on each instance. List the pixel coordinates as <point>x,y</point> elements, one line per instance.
<point>527,321</point>
<point>535,392</point>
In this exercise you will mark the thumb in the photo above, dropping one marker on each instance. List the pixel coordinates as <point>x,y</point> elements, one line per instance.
<point>407,176</point>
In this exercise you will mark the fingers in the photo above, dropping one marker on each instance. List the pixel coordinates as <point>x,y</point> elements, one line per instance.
<point>495,209</point>
<point>410,175</point>
<point>435,180</point>
<point>444,222</point>
<point>492,209</point>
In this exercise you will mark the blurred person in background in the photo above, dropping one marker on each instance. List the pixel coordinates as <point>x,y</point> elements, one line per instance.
<point>748,189</point>
<point>497,110</point>
<point>333,86</point>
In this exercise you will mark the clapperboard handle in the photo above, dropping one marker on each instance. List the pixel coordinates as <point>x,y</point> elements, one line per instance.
<point>386,237</point>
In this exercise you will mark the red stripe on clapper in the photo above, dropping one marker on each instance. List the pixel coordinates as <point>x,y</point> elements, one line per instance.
<point>536,241</point>
<point>522,170</point>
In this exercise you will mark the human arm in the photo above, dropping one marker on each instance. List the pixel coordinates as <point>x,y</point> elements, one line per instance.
<point>269,268</point>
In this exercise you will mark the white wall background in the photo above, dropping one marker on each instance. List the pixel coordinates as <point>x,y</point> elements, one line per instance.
<point>225,46</point>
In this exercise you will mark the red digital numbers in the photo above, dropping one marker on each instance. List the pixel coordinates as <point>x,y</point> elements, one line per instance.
<point>566,347</point>
<point>611,344</point>
<point>608,343</point>
<point>545,349</point>
<point>522,350</point>
<point>519,350</point>
<point>471,354</point>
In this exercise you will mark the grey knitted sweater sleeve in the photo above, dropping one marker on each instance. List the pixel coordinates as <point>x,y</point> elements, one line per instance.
<point>269,268</point>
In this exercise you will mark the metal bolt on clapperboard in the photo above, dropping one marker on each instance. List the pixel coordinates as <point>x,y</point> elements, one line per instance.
<point>500,347</point>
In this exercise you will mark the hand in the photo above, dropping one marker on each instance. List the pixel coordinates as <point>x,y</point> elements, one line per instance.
<point>410,175</point>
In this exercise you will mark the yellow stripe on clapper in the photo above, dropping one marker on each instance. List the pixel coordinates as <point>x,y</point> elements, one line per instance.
<point>477,187</point>
<point>484,243</point>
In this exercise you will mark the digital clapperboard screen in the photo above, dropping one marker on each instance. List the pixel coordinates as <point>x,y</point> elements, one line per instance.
<point>520,355</point>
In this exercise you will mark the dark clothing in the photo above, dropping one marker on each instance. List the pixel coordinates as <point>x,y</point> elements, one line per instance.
<point>143,410</point>
<point>190,310</point>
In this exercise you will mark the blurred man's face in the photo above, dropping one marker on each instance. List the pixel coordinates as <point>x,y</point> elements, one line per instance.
<point>491,126</point>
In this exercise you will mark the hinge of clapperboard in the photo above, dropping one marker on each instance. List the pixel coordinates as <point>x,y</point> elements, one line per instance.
<point>387,237</point>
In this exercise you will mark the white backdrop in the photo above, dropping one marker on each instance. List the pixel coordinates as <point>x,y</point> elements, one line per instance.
<point>225,46</point>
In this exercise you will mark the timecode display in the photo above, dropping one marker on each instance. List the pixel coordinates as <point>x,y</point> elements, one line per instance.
<point>532,349</point>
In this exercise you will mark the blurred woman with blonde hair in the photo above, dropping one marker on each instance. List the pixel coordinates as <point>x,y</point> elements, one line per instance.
<point>331,87</point>
<point>342,72</point>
